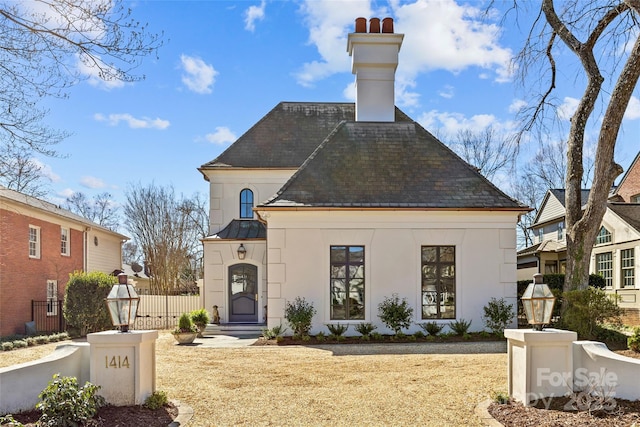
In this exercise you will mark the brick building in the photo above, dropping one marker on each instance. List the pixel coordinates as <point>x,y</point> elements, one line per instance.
<point>40,245</point>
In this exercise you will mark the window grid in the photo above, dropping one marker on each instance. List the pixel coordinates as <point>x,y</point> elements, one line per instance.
<point>604,236</point>
<point>604,267</point>
<point>52,297</point>
<point>34,242</point>
<point>627,260</point>
<point>64,241</point>
<point>438,282</point>
<point>246,203</point>
<point>347,283</point>
<point>561,230</point>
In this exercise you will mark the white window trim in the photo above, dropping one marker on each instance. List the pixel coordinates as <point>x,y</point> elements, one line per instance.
<point>67,252</point>
<point>52,297</point>
<point>36,255</point>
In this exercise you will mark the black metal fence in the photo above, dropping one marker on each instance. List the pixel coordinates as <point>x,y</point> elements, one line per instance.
<point>46,317</point>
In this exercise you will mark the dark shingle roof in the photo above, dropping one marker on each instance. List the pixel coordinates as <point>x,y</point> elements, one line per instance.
<point>559,193</point>
<point>287,135</point>
<point>399,164</point>
<point>240,229</point>
<point>630,212</point>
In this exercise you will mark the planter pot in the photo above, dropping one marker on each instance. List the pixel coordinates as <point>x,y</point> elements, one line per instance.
<point>185,337</point>
<point>201,329</point>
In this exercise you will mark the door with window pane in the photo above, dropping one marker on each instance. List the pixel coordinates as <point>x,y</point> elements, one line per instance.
<point>243,293</point>
<point>438,282</point>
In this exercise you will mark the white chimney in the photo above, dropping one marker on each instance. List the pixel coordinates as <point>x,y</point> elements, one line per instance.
<point>375,59</point>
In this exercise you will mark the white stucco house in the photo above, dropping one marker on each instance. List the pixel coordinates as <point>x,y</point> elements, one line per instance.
<point>345,204</point>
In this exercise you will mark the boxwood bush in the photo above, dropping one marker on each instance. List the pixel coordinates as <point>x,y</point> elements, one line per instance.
<point>84,308</point>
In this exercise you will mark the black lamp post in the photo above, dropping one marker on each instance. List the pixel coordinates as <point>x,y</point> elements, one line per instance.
<point>122,303</point>
<point>538,302</point>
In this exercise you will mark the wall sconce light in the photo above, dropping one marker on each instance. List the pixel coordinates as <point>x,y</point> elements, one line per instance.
<point>538,302</point>
<point>122,303</point>
<point>242,251</point>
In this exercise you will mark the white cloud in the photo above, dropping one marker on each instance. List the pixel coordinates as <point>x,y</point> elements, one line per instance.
<point>221,136</point>
<point>46,170</point>
<point>447,92</point>
<point>517,105</point>
<point>568,107</point>
<point>92,182</point>
<point>253,14</point>
<point>439,34</point>
<point>633,109</point>
<point>447,124</point>
<point>198,76</point>
<point>66,193</point>
<point>94,74</point>
<point>134,123</point>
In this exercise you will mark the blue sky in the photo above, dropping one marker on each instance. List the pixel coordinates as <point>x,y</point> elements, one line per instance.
<point>225,64</point>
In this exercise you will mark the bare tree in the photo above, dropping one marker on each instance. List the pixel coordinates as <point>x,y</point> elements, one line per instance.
<point>486,150</point>
<point>168,231</point>
<point>131,253</point>
<point>603,37</point>
<point>20,172</point>
<point>46,46</point>
<point>101,209</point>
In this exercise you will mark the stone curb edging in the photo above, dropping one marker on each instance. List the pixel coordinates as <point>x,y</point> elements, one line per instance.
<point>482,411</point>
<point>184,414</point>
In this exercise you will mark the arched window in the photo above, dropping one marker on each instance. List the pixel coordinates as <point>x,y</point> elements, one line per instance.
<point>246,203</point>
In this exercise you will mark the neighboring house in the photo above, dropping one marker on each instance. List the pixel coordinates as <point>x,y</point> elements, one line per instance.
<point>40,245</point>
<point>615,252</point>
<point>345,204</point>
<point>137,277</point>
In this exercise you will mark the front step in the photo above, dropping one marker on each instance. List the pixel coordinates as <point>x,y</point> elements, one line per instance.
<point>234,329</point>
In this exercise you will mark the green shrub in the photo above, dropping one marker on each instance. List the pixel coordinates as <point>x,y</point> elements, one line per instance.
<point>63,403</point>
<point>394,313</point>
<point>633,342</point>
<point>365,329</point>
<point>7,346</point>
<point>320,336</point>
<point>84,307</point>
<point>42,339</point>
<point>500,397</point>
<point>185,324</point>
<point>274,332</point>
<point>432,328</point>
<point>156,400</point>
<point>200,317</point>
<point>20,344</point>
<point>337,330</point>
<point>497,315</point>
<point>31,341</point>
<point>376,336</point>
<point>8,420</point>
<point>299,314</point>
<point>587,309</point>
<point>419,335</point>
<point>460,327</point>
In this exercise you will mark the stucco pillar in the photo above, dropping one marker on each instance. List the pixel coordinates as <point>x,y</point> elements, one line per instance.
<point>540,363</point>
<point>123,365</point>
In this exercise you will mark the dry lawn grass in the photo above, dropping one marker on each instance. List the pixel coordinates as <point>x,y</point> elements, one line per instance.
<point>307,386</point>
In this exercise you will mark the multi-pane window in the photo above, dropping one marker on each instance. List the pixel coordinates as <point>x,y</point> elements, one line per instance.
<point>438,282</point>
<point>635,199</point>
<point>561,230</point>
<point>540,235</point>
<point>604,267</point>
<point>604,236</point>
<point>52,297</point>
<point>347,282</point>
<point>64,241</point>
<point>627,263</point>
<point>34,241</point>
<point>246,203</point>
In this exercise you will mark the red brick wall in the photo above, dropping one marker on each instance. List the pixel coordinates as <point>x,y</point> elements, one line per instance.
<point>23,279</point>
<point>631,185</point>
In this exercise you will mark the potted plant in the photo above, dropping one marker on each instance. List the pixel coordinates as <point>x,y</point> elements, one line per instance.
<point>200,318</point>
<point>186,332</point>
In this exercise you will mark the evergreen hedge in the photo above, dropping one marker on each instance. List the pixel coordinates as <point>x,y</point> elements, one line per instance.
<point>84,301</point>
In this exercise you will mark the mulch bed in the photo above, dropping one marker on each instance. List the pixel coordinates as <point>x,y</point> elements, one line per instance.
<point>117,416</point>
<point>558,411</point>
<point>388,339</point>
